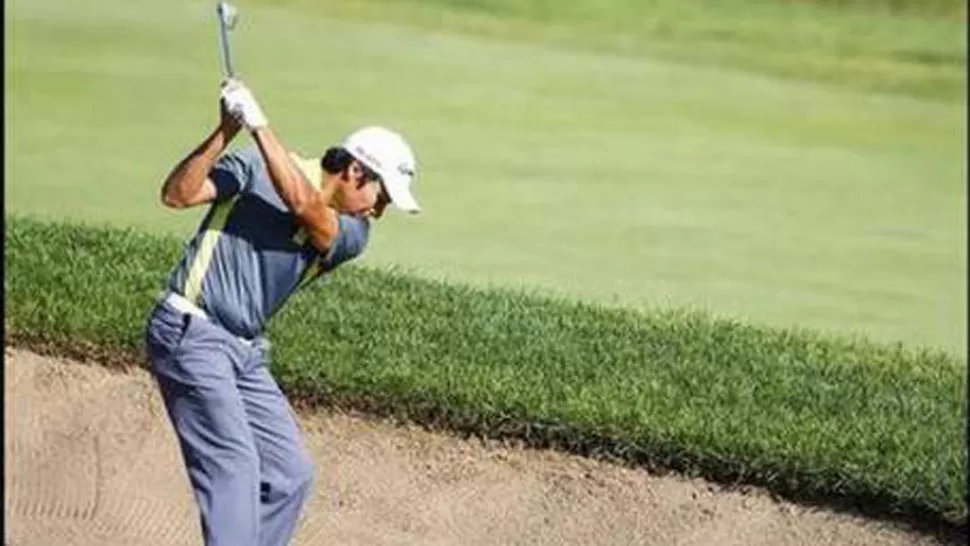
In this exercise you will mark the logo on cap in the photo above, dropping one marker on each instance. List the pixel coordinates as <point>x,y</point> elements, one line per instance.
<point>360,150</point>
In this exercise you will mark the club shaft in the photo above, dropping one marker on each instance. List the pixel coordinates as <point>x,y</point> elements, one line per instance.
<point>224,42</point>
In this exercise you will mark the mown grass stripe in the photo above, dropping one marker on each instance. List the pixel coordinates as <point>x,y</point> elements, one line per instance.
<point>805,414</point>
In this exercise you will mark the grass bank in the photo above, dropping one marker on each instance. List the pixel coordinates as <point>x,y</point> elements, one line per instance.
<point>809,416</point>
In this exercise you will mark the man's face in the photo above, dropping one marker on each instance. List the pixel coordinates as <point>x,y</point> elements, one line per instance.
<point>362,193</point>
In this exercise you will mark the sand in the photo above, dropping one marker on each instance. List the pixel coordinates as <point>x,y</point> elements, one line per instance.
<point>91,460</point>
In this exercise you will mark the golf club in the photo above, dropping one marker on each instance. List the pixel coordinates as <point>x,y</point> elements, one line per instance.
<point>228,15</point>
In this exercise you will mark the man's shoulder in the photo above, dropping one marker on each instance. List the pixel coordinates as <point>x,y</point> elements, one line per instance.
<point>248,154</point>
<point>241,162</point>
<point>247,163</point>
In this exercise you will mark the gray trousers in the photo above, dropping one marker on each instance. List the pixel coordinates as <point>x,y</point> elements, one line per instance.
<point>238,435</point>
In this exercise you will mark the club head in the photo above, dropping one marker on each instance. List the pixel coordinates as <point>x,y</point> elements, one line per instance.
<point>228,14</point>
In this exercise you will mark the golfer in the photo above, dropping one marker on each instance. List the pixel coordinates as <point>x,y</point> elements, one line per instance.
<point>275,222</point>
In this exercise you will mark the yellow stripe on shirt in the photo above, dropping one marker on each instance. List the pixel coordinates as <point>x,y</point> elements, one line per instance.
<point>193,284</point>
<point>313,175</point>
<point>310,170</point>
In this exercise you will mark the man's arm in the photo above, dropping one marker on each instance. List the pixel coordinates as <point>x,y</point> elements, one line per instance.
<point>188,184</point>
<point>310,205</point>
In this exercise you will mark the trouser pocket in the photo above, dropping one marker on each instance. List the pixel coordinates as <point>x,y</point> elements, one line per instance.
<point>165,332</point>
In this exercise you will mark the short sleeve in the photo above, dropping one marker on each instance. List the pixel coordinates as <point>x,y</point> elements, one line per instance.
<point>351,239</point>
<point>233,171</point>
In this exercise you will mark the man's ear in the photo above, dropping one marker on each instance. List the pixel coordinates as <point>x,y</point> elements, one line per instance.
<point>344,181</point>
<point>342,176</point>
<point>352,170</point>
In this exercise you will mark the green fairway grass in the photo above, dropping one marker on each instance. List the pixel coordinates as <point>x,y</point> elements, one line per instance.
<point>778,183</point>
<point>871,426</point>
<point>912,47</point>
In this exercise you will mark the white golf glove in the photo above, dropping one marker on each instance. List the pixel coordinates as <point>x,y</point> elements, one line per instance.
<point>241,103</point>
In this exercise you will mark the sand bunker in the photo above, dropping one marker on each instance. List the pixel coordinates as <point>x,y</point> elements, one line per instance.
<point>91,461</point>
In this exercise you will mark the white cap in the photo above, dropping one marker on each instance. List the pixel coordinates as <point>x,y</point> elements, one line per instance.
<point>387,154</point>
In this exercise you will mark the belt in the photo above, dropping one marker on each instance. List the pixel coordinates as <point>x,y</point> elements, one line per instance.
<point>183,305</point>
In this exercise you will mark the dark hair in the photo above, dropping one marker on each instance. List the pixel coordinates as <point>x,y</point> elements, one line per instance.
<point>335,160</point>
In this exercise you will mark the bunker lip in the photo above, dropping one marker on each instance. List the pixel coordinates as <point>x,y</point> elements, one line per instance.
<point>538,436</point>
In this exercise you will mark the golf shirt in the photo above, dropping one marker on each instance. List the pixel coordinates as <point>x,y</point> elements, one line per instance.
<point>250,253</point>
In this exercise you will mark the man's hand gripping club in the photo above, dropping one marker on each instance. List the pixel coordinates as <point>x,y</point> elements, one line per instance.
<point>240,102</point>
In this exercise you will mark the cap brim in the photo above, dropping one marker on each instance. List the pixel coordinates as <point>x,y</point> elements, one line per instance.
<point>401,195</point>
